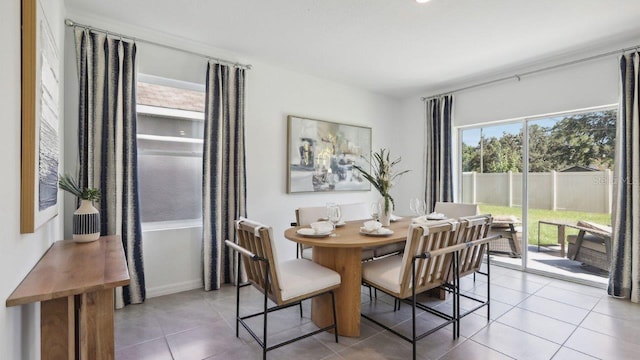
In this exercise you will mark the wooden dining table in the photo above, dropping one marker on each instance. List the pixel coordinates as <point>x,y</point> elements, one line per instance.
<point>342,253</point>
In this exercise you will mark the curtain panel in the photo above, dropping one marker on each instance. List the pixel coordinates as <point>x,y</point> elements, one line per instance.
<point>224,173</point>
<point>107,144</point>
<point>624,276</point>
<point>438,152</point>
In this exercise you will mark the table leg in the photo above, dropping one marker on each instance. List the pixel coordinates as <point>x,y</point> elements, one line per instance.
<point>96,325</point>
<point>538,237</point>
<point>57,329</point>
<point>347,262</point>
<point>561,238</point>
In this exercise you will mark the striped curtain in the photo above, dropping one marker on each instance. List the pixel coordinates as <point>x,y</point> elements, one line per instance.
<point>224,189</point>
<point>624,277</point>
<point>107,144</point>
<point>439,176</point>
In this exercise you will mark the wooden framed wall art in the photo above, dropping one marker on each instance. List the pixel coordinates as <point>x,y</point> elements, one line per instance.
<point>321,155</point>
<point>40,99</point>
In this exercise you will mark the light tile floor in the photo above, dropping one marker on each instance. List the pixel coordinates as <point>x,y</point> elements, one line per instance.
<point>532,317</point>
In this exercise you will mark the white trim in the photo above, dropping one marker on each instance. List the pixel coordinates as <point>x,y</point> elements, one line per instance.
<point>180,84</point>
<point>174,288</point>
<point>541,116</point>
<point>169,112</point>
<point>174,139</point>
<point>171,225</point>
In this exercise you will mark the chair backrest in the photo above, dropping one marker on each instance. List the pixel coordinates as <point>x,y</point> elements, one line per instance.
<point>433,271</point>
<point>356,211</point>
<point>256,239</point>
<point>307,215</point>
<point>473,228</point>
<point>456,210</point>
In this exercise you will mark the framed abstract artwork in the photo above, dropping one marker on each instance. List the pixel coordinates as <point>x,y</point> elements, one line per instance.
<point>40,149</point>
<point>321,155</point>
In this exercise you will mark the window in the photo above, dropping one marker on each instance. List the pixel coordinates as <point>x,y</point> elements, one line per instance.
<point>170,133</point>
<point>548,175</point>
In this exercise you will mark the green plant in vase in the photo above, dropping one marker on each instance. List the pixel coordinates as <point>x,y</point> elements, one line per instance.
<point>86,219</point>
<point>69,184</point>
<point>382,176</point>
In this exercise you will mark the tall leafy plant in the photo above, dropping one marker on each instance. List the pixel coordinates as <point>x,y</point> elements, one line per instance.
<point>382,175</point>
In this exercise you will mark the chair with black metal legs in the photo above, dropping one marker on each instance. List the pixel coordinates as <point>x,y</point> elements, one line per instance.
<point>285,283</point>
<point>473,232</point>
<point>429,253</point>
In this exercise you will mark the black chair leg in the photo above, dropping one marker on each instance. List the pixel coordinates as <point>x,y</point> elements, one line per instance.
<point>335,318</point>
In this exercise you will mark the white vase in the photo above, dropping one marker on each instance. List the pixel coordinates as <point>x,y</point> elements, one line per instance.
<point>86,223</point>
<point>385,216</point>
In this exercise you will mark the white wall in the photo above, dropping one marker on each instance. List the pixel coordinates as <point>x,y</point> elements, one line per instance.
<point>173,258</point>
<point>588,84</point>
<point>19,326</point>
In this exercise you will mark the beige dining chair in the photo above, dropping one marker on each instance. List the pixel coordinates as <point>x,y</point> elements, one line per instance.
<point>456,210</point>
<point>471,230</point>
<point>307,215</point>
<point>285,283</point>
<point>425,264</point>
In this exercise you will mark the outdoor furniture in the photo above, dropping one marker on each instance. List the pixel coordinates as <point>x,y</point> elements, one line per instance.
<point>510,243</point>
<point>561,226</point>
<point>592,245</point>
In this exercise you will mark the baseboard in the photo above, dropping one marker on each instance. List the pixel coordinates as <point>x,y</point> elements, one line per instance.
<point>173,288</point>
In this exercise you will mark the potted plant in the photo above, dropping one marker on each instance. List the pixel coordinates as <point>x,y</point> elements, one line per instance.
<point>86,219</point>
<point>382,177</point>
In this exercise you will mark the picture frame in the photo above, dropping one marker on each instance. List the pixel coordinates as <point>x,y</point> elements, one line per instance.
<point>321,155</point>
<point>40,142</point>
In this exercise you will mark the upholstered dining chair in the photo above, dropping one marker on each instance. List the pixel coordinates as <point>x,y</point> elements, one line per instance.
<point>425,264</point>
<point>471,230</point>
<point>307,215</point>
<point>456,210</point>
<point>285,283</point>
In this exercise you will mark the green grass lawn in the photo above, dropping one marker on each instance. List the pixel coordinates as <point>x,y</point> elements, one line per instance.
<point>548,233</point>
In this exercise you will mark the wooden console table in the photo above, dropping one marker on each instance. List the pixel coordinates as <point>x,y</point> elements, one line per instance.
<point>75,285</point>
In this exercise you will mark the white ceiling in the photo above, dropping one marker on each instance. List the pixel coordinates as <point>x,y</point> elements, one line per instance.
<point>393,47</point>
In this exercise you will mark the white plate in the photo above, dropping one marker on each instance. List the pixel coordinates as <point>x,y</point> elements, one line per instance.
<point>379,232</point>
<point>442,217</point>
<point>312,233</point>
<point>341,223</point>
<point>395,218</point>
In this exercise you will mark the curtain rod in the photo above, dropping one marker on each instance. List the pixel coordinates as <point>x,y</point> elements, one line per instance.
<point>519,76</point>
<point>74,24</point>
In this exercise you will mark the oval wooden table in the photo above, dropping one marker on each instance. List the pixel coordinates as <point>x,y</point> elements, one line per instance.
<point>342,253</point>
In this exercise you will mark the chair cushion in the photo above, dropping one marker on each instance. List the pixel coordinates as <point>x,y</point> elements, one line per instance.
<point>388,249</point>
<point>384,273</point>
<point>299,277</point>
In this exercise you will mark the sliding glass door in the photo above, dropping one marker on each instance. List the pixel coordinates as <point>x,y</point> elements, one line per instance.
<point>491,177</point>
<point>569,190</point>
<point>548,182</point>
